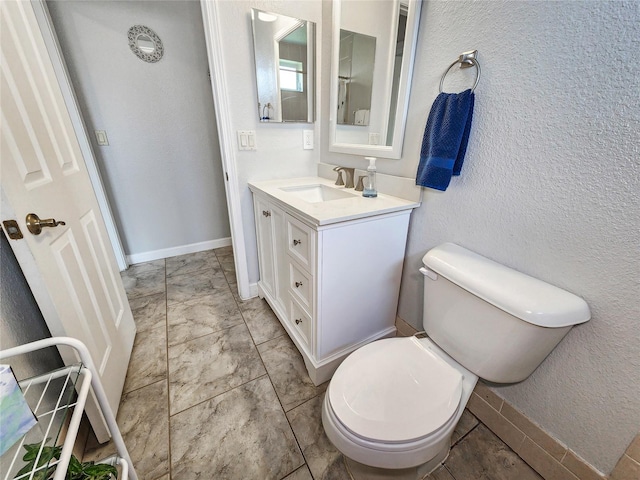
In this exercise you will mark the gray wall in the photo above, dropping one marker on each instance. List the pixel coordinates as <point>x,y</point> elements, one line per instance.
<point>550,187</point>
<point>162,169</point>
<point>20,318</point>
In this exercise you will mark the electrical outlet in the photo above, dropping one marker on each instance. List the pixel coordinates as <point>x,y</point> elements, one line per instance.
<point>307,139</point>
<point>374,139</point>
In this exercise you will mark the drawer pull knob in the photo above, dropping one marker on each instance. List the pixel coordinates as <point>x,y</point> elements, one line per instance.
<point>298,284</point>
<point>298,321</point>
<point>297,242</point>
<point>266,213</point>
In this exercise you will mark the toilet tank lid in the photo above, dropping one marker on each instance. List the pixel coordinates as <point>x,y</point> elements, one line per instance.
<point>525,297</point>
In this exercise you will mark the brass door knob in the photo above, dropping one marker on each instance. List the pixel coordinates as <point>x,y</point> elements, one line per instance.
<point>34,224</point>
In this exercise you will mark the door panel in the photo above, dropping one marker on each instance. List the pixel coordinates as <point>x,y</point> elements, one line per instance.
<point>43,172</point>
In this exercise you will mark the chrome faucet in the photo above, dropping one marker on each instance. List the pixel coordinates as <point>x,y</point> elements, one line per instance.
<point>349,171</point>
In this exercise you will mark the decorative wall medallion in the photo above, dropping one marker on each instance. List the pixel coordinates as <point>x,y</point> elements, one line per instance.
<point>145,43</point>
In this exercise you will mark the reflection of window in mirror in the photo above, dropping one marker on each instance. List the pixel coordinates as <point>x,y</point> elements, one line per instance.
<point>284,58</point>
<point>291,76</point>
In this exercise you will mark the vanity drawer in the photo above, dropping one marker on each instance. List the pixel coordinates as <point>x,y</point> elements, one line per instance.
<point>300,242</point>
<point>300,321</point>
<point>301,285</point>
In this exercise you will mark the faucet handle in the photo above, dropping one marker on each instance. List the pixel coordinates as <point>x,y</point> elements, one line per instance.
<point>339,180</point>
<point>360,185</point>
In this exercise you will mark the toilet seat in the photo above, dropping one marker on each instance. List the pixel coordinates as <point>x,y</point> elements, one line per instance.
<point>377,390</point>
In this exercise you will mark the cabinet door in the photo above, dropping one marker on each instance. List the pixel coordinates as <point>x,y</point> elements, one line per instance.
<point>264,232</point>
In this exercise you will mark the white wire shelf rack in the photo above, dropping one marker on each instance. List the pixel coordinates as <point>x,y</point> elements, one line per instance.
<point>52,397</point>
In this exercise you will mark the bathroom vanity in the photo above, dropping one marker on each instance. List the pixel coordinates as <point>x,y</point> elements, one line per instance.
<point>330,265</point>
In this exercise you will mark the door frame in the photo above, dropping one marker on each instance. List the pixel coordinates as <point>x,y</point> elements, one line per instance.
<point>211,22</point>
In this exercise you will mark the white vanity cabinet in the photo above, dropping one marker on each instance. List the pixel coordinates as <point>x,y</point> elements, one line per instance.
<point>333,285</point>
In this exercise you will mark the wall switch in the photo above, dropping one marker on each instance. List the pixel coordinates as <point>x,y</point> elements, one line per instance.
<point>374,139</point>
<point>246,140</point>
<point>101,137</point>
<point>307,139</point>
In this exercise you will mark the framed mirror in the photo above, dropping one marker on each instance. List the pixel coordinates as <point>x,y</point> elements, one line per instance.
<point>145,43</point>
<point>284,49</point>
<point>373,48</point>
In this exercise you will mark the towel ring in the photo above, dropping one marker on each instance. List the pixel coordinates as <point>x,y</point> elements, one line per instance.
<point>466,60</point>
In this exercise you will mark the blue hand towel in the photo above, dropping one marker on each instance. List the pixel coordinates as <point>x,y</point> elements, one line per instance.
<point>445,139</point>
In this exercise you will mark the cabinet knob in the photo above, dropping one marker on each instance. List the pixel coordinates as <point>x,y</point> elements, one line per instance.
<point>298,284</point>
<point>298,321</point>
<point>266,213</point>
<point>297,242</point>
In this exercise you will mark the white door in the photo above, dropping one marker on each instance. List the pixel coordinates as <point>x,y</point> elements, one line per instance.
<point>70,268</point>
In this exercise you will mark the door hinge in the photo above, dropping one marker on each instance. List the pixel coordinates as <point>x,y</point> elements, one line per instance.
<point>12,229</point>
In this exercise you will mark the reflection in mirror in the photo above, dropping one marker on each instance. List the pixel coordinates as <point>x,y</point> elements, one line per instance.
<point>355,77</point>
<point>145,43</point>
<point>374,127</point>
<point>284,50</point>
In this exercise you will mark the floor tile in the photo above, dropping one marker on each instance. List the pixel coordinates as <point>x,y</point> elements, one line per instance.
<point>288,374</point>
<point>227,263</point>
<point>262,322</point>
<point>144,267</point>
<point>467,423</point>
<point>241,434</point>
<point>302,473</point>
<point>181,288</point>
<point>323,460</point>
<point>191,263</point>
<point>202,316</point>
<point>442,474</point>
<point>202,368</point>
<point>481,455</point>
<point>148,363</point>
<point>224,251</point>
<point>143,283</point>
<point>143,419</point>
<point>149,311</point>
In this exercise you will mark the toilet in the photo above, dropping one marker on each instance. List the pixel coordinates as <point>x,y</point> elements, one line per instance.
<point>394,403</point>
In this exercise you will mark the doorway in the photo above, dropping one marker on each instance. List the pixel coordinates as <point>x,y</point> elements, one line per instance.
<point>162,167</point>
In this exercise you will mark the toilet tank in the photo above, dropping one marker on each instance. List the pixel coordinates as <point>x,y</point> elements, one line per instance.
<point>497,322</point>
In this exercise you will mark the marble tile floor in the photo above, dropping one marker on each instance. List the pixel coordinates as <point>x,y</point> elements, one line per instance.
<point>216,389</point>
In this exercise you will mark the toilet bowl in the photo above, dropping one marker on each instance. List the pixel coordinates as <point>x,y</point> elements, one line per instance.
<point>394,403</point>
<point>369,409</point>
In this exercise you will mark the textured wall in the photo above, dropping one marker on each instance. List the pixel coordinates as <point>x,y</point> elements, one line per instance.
<point>550,187</point>
<point>162,169</point>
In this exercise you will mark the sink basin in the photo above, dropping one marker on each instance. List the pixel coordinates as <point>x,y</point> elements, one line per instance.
<point>316,193</point>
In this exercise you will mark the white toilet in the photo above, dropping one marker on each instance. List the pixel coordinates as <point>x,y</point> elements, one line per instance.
<point>394,403</point>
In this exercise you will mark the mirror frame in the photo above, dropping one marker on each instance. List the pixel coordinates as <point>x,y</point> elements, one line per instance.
<point>408,55</point>
<point>136,31</point>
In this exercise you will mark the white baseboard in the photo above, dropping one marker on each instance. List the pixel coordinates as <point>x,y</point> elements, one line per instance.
<point>181,250</point>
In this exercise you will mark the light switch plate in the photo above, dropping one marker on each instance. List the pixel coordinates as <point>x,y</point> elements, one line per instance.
<point>307,139</point>
<point>246,140</point>
<point>101,138</point>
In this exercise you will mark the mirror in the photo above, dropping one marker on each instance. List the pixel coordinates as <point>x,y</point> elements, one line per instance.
<point>145,43</point>
<point>372,56</point>
<point>284,49</point>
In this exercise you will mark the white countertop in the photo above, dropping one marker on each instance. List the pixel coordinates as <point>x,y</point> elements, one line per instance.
<point>331,211</point>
